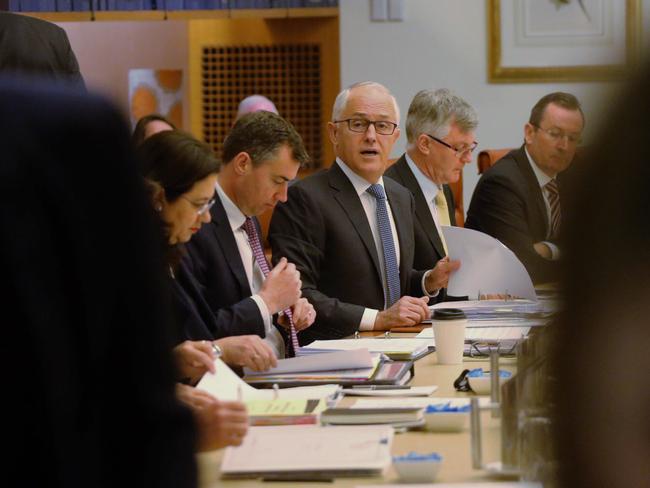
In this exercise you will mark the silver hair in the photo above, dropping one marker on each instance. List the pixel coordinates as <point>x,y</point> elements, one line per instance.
<point>433,112</point>
<point>342,98</point>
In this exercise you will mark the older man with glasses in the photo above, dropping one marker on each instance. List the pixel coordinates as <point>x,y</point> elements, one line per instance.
<point>350,231</point>
<point>440,132</point>
<point>518,200</point>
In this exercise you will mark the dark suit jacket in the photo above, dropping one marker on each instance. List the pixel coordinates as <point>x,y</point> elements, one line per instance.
<point>323,229</point>
<point>214,260</point>
<point>508,204</point>
<point>194,318</point>
<point>91,374</point>
<point>33,47</point>
<point>428,245</point>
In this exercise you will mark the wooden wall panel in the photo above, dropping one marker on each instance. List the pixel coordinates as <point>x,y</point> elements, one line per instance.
<point>295,62</point>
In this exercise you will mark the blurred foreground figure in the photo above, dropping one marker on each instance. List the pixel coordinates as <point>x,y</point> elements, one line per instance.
<point>89,390</point>
<point>603,360</point>
<point>32,47</point>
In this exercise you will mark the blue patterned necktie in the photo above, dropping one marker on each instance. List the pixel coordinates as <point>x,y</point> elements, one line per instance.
<point>392,288</point>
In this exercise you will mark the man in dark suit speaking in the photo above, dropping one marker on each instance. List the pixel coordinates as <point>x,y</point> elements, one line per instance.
<point>350,231</point>
<point>518,200</point>
<point>440,132</point>
<point>262,154</point>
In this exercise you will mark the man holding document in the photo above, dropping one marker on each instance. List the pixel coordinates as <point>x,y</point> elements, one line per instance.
<point>440,132</point>
<point>350,231</point>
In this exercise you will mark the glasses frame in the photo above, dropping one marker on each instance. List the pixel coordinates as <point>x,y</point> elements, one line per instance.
<point>201,209</point>
<point>560,135</point>
<point>458,153</point>
<point>370,122</point>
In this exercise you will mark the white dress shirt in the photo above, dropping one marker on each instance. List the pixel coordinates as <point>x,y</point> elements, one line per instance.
<point>542,180</point>
<point>253,272</point>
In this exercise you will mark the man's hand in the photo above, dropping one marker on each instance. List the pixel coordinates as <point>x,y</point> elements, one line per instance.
<point>543,250</point>
<point>303,315</point>
<point>248,350</point>
<point>281,288</point>
<point>219,423</point>
<point>405,311</point>
<point>438,277</point>
<point>193,359</point>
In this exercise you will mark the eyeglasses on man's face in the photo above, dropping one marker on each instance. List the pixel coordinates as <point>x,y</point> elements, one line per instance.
<point>201,208</point>
<point>459,151</point>
<point>382,127</point>
<point>557,135</point>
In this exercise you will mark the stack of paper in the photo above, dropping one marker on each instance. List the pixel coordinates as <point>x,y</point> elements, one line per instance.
<point>330,367</point>
<point>397,416</point>
<point>310,452</point>
<point>226,385</point>
<point>397,349</point>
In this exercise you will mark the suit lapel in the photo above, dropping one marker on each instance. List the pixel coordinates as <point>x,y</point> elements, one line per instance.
<point>347,197</point>
<point>422,210</point>
<point>533,184</point>
<point>220,226</point>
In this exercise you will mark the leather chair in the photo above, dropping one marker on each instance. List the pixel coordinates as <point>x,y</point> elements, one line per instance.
<point>488,157</point>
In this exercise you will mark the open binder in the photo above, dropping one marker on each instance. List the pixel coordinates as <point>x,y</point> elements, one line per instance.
<point>383,372</point>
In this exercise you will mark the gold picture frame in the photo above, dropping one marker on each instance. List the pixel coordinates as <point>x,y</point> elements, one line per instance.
<point>497,73</point>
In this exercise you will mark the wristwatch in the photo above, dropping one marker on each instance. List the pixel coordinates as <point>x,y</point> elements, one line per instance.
<point>218,352</point>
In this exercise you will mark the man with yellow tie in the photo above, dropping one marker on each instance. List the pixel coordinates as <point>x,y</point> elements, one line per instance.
<point>440,133</point>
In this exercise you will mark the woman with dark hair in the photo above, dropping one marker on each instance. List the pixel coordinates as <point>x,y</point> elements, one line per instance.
<point>181,174</point>
<point>149,125</point>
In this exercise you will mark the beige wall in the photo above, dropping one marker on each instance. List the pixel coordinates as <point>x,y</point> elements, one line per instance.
<point>107,50</point>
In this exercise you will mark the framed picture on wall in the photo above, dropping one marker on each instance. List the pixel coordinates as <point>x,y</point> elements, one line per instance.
<point>562,40</point>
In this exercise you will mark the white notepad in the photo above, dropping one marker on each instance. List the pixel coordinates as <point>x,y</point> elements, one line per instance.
<point>310,452</point>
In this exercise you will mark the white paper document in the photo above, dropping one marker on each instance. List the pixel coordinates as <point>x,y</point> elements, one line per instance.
<point>311,450</point>
<point>484,333</point>
<point>487,266</point>
<point>416,402</point>
<point>331,361</point>
<point>413,391</point>
<point>412,346</point>
<point>226,385</point>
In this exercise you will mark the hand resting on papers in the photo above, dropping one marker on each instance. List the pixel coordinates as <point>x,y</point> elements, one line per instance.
<point>219,423</point>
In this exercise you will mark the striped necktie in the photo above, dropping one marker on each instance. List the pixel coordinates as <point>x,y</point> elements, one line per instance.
<point>443,214</point>
<point>392,288</point>
<point>260,258</point>
<point>554,202</point>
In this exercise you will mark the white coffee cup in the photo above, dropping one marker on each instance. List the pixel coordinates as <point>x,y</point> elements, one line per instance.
<point>449,334</point>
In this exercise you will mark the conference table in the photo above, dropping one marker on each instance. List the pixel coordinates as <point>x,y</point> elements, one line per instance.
<point>453,447</point>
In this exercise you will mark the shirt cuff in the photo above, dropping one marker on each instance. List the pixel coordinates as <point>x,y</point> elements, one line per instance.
<point>555,251</point>
<point>368,319</point>
<point>264,311</point>
<point>424,288</point>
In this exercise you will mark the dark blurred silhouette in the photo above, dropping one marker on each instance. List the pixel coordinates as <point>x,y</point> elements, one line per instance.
<point>89,392</point>
<point>603,355</point>
<point>31,47</point>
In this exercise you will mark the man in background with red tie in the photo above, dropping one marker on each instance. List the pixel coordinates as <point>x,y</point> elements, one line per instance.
<point>519,199</point>
<point>262,154</point>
